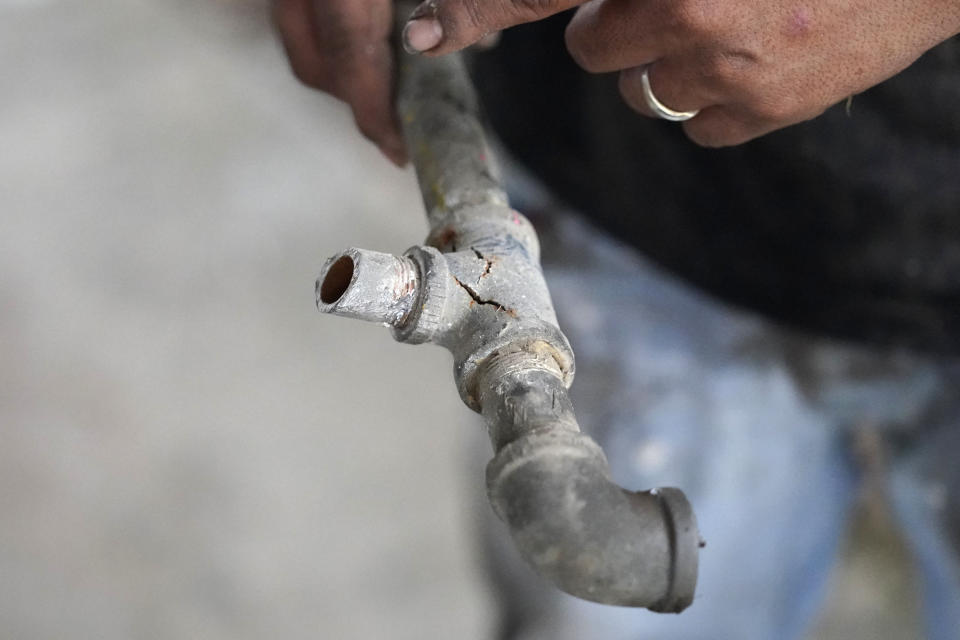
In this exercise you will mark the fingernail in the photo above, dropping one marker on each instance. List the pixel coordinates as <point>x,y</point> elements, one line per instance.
<point>422,34</point>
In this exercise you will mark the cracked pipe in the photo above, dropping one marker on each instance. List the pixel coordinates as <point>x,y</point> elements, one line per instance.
<point>477,289</point>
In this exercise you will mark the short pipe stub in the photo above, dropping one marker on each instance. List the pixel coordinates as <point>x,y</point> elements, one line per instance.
<point>368,285</point>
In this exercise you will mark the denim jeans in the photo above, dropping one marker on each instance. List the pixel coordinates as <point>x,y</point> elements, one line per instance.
<point>754,423</point>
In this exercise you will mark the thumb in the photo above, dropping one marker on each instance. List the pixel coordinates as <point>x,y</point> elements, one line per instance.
<point>444,26</point>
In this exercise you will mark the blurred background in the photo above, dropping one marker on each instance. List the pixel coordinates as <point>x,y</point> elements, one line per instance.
<point>186,448</point>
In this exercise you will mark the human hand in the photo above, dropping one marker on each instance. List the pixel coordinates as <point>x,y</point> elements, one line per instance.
<point>749,67</point>
<point>342,47</point>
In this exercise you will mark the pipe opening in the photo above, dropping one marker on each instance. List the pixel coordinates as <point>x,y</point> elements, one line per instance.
<point>337,280</point>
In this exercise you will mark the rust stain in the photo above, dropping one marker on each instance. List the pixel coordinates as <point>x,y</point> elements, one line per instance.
<point>445,237</point>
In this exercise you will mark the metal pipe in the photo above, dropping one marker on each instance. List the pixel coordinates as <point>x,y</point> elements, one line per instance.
<point>368,285</point>
<point>477,289</point>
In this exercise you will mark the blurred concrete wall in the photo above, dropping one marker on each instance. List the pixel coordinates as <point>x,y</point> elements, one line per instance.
<point>187,450</point>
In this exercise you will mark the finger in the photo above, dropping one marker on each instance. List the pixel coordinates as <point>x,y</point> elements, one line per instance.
<point>723,126</point>
<point>732,124</point>
<point>370,95</point>
<point>747,114</point>
<point>354,41</point>
<point>348,58</point>
<point>294,20</point>
<point>610,35</point>
<point>676,83</point>
<point>443,26</point>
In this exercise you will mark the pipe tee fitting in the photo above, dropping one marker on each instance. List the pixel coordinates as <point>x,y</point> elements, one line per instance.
<point>489,306</point>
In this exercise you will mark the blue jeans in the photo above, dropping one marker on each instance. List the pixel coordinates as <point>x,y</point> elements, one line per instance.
<point>754,423</point>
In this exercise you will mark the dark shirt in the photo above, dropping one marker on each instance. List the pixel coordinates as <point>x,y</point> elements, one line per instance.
<point>847,225</point>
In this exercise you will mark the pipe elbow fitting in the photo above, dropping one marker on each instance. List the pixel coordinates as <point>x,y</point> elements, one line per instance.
<point>590,537</point>
<point>551,485</point>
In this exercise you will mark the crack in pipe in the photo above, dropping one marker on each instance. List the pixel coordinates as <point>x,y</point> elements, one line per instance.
<point>476,298</point>
<point>489,265</point>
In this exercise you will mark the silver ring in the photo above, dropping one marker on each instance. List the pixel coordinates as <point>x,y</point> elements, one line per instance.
<point>661,110</point>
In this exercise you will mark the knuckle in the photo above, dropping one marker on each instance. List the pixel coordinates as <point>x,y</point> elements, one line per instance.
<point>535,7</point>
<point>525,10</point>
<point>729,68</point>
<point>583,50</point>
<point>483,16</point>
<point>312,76</point>
<point>475,12</point>
<point>698,17</point>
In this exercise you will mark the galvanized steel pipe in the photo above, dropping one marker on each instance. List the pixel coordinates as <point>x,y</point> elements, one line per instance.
<point>476,288</point>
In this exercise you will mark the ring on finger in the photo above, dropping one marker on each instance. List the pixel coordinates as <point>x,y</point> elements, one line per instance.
<point>659,109</point>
